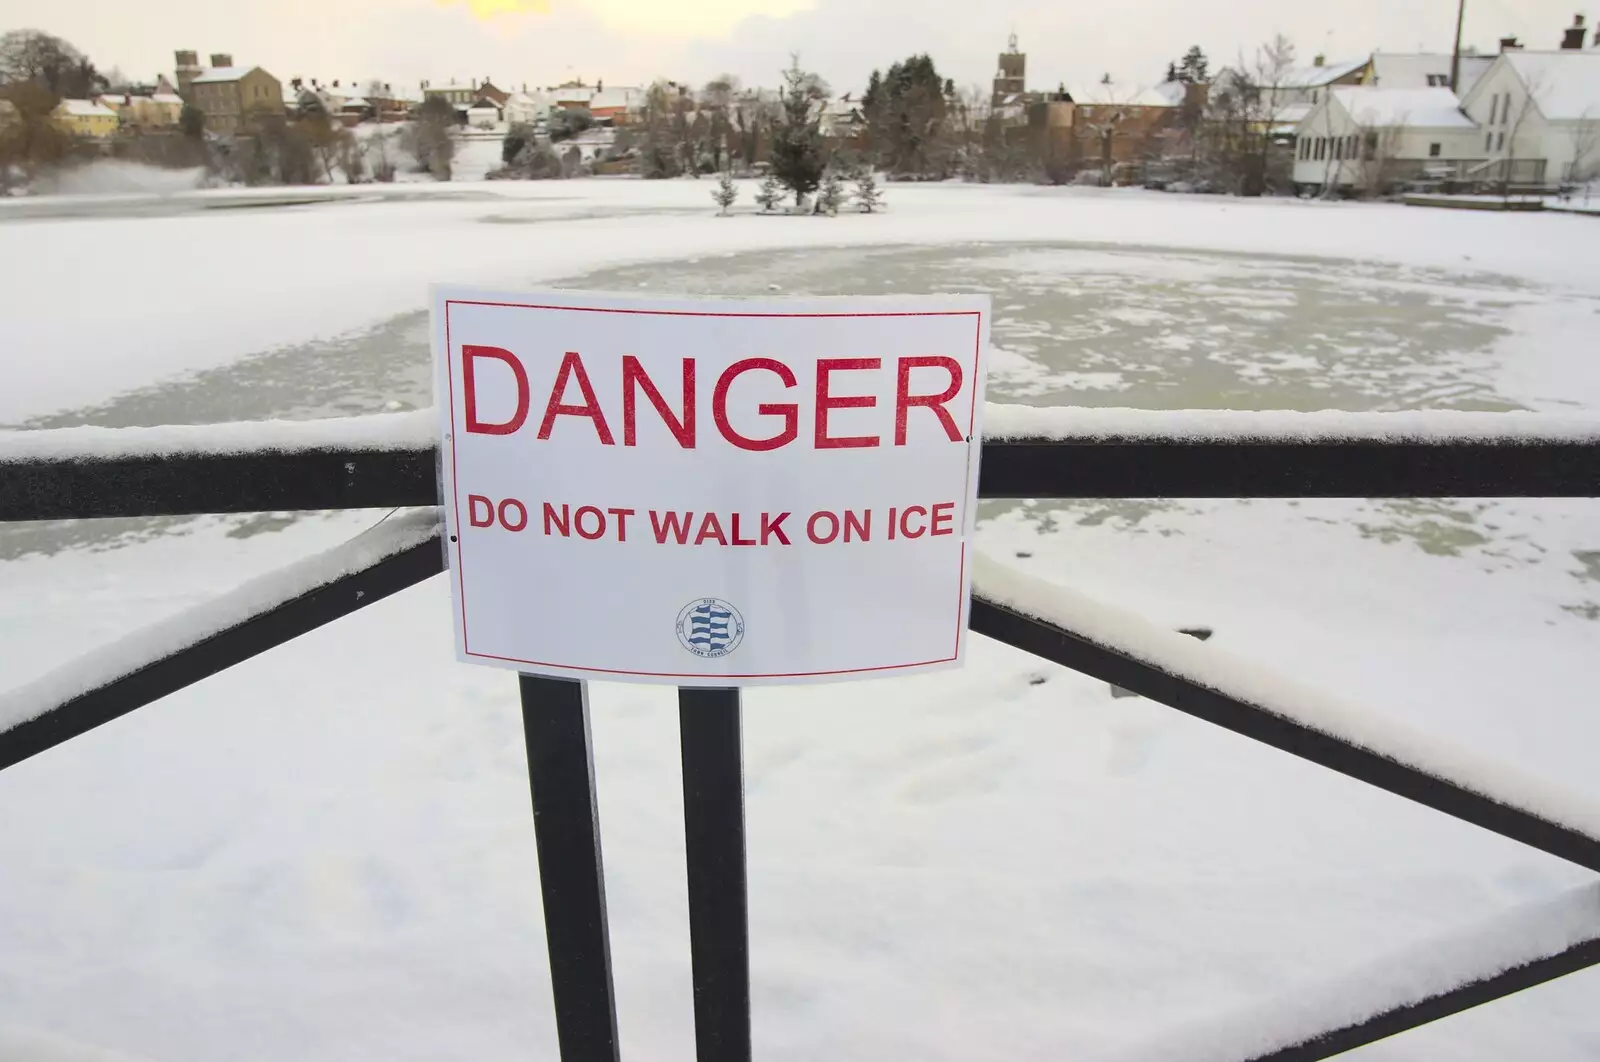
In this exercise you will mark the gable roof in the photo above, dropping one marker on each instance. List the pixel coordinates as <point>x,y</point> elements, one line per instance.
<point>1397,70</point>
<point>222,74</point>
<point>1100,93</point>
<point>86,109</point>
<point>1383,108</point>
<point>1565,85</point>
<point>1313,76</point>
<point>615,98</point>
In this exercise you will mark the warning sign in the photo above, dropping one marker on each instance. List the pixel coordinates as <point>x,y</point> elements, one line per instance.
<point>729,492</point>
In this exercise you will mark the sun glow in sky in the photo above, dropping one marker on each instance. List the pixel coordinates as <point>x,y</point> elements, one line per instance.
<point>678,18</point>
<point>492,8</point>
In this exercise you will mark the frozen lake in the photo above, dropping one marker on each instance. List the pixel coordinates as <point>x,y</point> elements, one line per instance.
<point>1007,862</point>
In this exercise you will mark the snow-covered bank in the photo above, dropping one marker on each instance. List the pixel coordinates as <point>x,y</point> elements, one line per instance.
<point>321,271</point>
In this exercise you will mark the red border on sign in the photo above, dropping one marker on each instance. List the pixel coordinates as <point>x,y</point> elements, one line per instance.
<point>455,499</point>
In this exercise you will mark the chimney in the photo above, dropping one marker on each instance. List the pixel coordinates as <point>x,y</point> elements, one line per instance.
<point>188,68</point>
<point>1509,44</point>
<point>221,59</point>
<point>1572,39</point>
<point>1318,60</point>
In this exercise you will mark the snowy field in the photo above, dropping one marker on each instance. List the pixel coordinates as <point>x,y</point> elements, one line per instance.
<point>327,854</point>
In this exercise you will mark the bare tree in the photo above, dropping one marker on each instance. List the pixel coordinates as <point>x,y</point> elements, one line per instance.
<point>428,138</point>
<point>1583,137</point>
<point>1379,145</point>
<point>1245,104</point>
<point>659,150</point>
<point>1511,129</point>
<point>352,158</point>
<point>325,140</point>
<point>380,157</point>
<point>30,139</point>
<point>32,55</point>
<point>717,101</point>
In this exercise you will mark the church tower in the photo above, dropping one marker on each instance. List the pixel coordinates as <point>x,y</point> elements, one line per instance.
<point>1011,77</point>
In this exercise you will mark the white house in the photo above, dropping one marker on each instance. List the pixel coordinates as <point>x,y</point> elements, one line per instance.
<point>1415,70</point>
<point>1538,115</point>
<point>1288,95</point>
<point>526,108</point>
<point>484,114</point>
<point>1368,138</point>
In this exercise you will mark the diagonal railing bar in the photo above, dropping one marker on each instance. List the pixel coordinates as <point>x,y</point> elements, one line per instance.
<point>109,682</point>
<point>1578,957</point>
<point>390,460</point>
<point>1399,991</point>
<point>1191,676</point>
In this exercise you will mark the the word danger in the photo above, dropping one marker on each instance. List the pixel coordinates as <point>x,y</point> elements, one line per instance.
<point>685,528</point>
<point>924,386</point>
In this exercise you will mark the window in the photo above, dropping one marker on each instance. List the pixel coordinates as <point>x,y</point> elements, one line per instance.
<point>1488,142</point>
<point>1494,108</point>
<point>1371,147</point>
<point>1433,151</point>
<point>1438,80</point>
<point>1500,141</point>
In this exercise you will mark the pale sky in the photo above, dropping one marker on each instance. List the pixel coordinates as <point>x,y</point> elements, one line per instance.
<point>543,42</point>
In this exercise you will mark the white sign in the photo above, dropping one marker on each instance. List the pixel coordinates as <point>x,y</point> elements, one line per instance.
<point>726,493</point>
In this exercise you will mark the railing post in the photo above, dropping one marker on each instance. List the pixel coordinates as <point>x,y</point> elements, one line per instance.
<point>555,724</point>
<point>713,820</point>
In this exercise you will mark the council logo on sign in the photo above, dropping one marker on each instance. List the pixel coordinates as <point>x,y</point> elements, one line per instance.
<point>710,627</point>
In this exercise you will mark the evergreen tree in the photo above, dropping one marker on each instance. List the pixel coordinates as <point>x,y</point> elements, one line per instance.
<point>830,196</point>
<point>1194,68</point>
<point>726,191</point>
<point>906,110</point>
<point>770,194</point>
<point>797,159</point>
<point>1172,72</point>
<point>192,121</point>
<point>868,198</point>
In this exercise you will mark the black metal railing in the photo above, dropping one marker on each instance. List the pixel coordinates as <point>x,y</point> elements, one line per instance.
<point>1161,665</point>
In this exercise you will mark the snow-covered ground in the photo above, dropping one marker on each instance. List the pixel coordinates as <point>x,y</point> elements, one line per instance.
<point>326,853</point>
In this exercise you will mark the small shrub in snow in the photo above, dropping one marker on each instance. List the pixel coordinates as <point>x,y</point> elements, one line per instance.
<point>770,194</point>
<point>829,196</point>
<point>537,161</point>
<point>868,197</point>
<point>726,192</point>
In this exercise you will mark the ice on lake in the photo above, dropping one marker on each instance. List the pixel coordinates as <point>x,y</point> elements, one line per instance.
<point>1002,862</point>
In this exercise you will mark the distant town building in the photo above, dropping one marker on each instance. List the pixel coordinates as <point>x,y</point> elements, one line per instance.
<point>1011,75</point>
<point>160,110</point>
<point>1418,70</point>
<point>1529,119</point>
<point>85,118</point>
<point>226,94</point>
<point>527,108</point>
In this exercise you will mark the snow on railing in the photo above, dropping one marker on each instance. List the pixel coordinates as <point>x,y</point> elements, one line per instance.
<point>414,430</point>
<point>1212,667</point>
<point>106,663</point>
<point>418,430</point>
<point>1085,424</point>
<point>1403,978</point>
